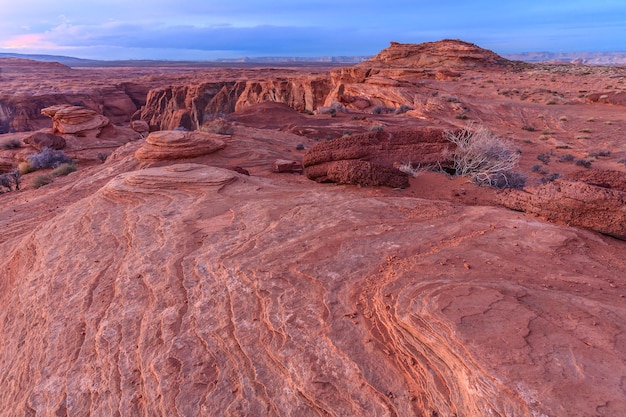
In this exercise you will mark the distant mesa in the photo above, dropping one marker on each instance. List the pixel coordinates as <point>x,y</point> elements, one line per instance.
<point>446,53</point>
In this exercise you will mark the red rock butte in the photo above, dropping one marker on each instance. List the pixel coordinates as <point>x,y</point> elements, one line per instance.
<point>291,240</point>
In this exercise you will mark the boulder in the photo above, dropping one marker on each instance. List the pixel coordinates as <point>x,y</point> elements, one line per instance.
<point>595,201</point>
<point>42,139</point>
<point>176,144</point>
<point>140,127</point>
<point>284,165</point>
<point>369,158</point>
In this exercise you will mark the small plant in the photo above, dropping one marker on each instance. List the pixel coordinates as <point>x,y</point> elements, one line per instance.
<point>63,170</point>
<point>622,161</point>
<point>24,168</point>
<point>42,180</point>
<point>403,109</point>
<point>583,162</point>
<point>12,144</point>
<point>544,157</point>
<point>538,169</point>
<point>300,147</point>
<point>382,110</point>
<point>550,178</point>
<point>408,168</point>
<point>450,99</point>
<point>102,157</point>
<point>568,157</point>
<point>48,158</point>
<point>376,128</point>
<point>461,116</point>
<point>528,128</point>
<point>484,157</point>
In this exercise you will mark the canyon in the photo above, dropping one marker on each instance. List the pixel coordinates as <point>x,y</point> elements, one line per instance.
<point>239,240</point>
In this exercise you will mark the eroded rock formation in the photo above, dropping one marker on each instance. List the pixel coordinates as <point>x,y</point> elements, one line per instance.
<point>370,158</point>
<point>172,144</point>
<point>595,200</point>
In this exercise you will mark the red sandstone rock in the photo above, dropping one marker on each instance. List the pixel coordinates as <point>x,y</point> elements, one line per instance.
<point>140,127</point>
<point>593,204</point>
<point>42,139</point>
<point>178,144</point>
<point>283,165</point>
<point>68,119</point>
<point>368,159</point>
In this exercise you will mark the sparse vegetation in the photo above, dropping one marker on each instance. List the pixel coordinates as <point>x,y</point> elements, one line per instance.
<point>382,110</point>
<point>376,128</point>
<point>102,157</point>
<point>63,170</point>
<point>11,144</point>
<point>42,180</point>
<point>300,147</point>
<point>528,128</point>
<point>450,99</point>
<point>550,178</point>
<point>583,162</point>
<point>622,161</point>
<point>10,180</point>
<point>403,109</point>
<point>538,169</point>
<point>568,157</point>
<point>409,169</point>
<point>461,116</point>
<point>48,158</point>
<point>544,157</point>
<point>485,158</point>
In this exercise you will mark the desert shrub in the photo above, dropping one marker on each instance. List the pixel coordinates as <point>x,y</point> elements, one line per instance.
<point>544,157</point>
<point>5,182</point>
<point>550,178</point>
<point>376,128</point>
<point>403,109</point>
<point>568,157</point>
<point>48,158</point>
<point>461,116</point>
<point>484,157</point>
<point>63,169</point>
<point>382,110</point>
<point>538,169</point>
<point>599,153</point>
<point>583,162</point>
<point>24,168</point>
<point>327,110</point>
<point>300,146</point>
<point>528,128</point>
<point>622,161</point>
<point>450,99</point>
<point>11,144</point>
<point>42,180</point>
<point>102,157</point>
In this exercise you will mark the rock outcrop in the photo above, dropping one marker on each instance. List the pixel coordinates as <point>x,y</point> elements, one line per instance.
<point>42,139</point>
<point>189,106</point>
<point>175,144</point>
<point>595,200</point>
<point>370,158</point>
<point>75,120</point>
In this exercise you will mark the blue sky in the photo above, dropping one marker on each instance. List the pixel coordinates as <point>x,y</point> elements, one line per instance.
<point>196,29</point>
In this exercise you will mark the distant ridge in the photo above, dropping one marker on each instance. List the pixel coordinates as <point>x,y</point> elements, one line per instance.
<point>588,58</point>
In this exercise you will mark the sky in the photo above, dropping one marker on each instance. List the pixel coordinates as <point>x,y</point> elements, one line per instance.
<point>211,29</point>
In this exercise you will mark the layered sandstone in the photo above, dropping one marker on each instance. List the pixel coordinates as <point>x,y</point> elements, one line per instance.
<point>163,145</point>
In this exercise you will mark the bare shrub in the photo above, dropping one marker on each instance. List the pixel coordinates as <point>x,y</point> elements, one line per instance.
<point>485,158</point>
<point>403,109</point>
<point>382,110</point>
<point>409,169</point>
<point>48,158</point>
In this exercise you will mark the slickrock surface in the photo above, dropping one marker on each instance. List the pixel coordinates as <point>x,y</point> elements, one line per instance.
<point>41,139</point>
<point>192,290</point>
<point>74,119</point>
<point>172,144</point>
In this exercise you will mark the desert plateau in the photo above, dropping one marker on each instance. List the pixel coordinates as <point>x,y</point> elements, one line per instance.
<point>303,239</point>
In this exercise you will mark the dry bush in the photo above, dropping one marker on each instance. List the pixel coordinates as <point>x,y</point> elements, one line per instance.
<point>485,158</point>
<point>48,158</point>
<point>63,170</point>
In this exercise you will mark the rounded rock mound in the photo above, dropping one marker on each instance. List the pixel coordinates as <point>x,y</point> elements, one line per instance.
<point>175,144</point>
